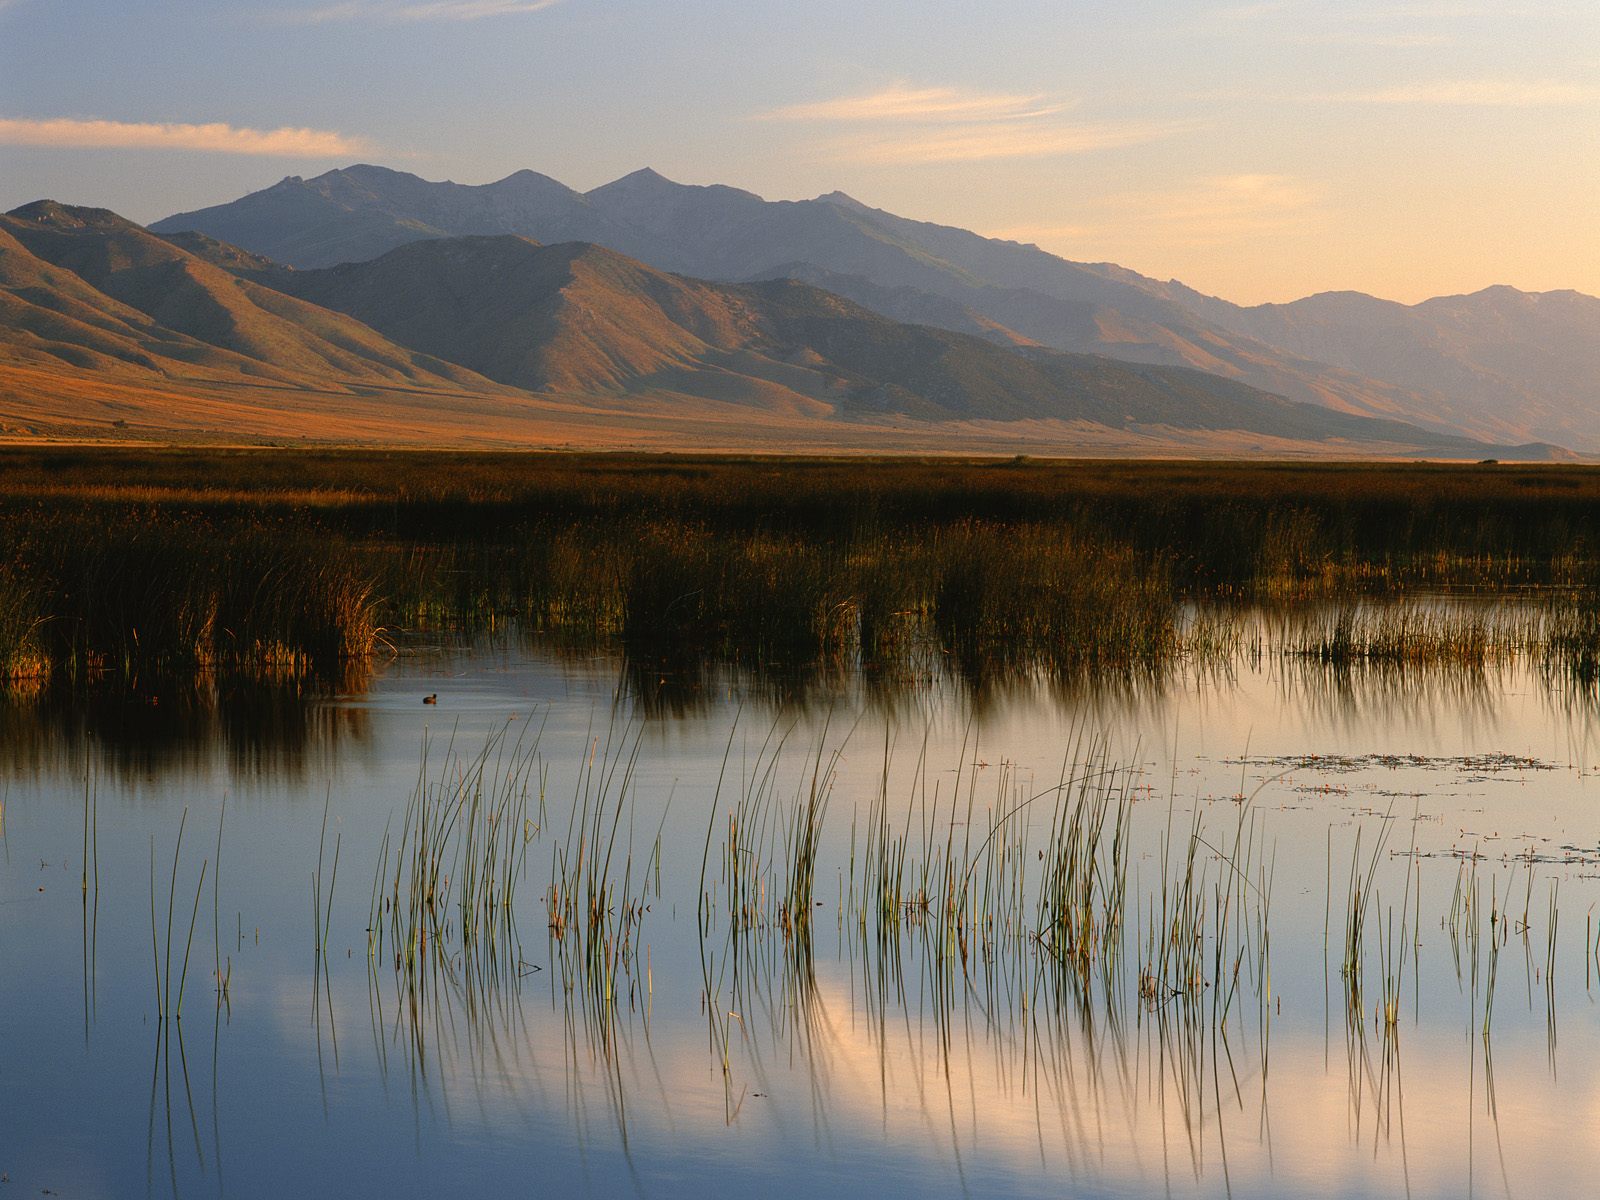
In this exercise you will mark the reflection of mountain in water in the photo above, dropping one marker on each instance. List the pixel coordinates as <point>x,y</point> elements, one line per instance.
<point>280,729</point>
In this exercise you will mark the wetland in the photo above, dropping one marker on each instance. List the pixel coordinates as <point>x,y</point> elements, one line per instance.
<point>400,823</point>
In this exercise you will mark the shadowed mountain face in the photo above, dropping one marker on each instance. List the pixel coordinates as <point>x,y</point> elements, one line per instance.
<point>579,319</point>
<point>1476,371</point>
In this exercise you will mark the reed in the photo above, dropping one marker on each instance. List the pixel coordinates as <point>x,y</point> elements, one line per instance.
<point>161,944</point>
<point>22,646</point>
<point>447,884</point>
<point>131,593</point>
<point>595,901</point>
<point>130,562</point>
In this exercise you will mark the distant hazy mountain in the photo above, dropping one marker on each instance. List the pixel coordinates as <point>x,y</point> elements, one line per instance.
<point>1497,359</point>
<point>1467,381</point>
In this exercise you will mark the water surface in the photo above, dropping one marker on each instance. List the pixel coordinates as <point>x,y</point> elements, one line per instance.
<point>713,1063</point>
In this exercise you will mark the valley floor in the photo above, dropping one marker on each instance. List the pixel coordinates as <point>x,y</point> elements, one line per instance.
<point>43,405</point>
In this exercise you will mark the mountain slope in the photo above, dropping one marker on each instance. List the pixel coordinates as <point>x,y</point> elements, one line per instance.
<point>1498,359</point>
<point>943,276</point>
<point>576,319</point>
<point>89,288</point>
<point>495,337</point>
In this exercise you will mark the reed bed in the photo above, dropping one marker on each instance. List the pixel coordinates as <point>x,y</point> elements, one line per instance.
<point>132,562</point>
<point>135,593</point>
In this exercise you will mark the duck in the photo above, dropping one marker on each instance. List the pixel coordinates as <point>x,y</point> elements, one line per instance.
<point>431,699</point>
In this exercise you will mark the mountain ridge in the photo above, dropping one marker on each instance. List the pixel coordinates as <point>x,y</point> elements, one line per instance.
<point>189,329</point>
<point>726,233</point>
<point>170,312</point>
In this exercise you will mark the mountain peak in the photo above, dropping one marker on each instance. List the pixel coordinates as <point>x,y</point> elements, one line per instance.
<point>644,177</point>
<point>370,171</point>
<point>843,200</point>
<point>527,176</point>
<point>531,182</point>
<point>67,216</point>
<point>648,183</point>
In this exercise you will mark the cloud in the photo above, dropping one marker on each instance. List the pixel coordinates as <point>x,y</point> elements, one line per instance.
<point>975,143</point>
<point>1210,211</point>
<point>71,133</point>
<point>1482,93</point>
<point>400,12</point>
<point>903,103</point>
<point>1380,41</point>
<point>1251,12</point>
<point>1225,206</point>
<point>922,125</point>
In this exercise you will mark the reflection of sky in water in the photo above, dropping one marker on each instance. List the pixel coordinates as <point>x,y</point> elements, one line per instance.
<point>848,1091</point>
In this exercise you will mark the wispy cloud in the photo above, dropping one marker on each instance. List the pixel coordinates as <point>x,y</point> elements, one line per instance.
<point>402,12</point>
<point>1211,211</point>
<point>1483,93</point>
<point>901,102</point>
<point>1384,12</point>
<point>1252,12</point>
<point>975,143</point>
<point>216,137</point>
<point>909,125</point>
<point>1226,207</point>
<point>1380,41</point>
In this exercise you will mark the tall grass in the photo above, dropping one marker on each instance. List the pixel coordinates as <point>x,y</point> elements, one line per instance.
<point>136,562</point>
<point>22,649</point>
<point>140,593</point>
<point>445,885</point>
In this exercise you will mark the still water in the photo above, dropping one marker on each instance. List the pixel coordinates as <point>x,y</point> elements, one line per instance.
<point>710,1064</point>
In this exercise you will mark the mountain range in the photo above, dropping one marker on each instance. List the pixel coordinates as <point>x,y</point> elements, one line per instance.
<point>455,327</point>
<point>1499,364</point>
<point>498,338</point>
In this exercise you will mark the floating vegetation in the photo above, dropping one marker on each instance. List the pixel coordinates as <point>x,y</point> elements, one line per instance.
<point>1490,763</point>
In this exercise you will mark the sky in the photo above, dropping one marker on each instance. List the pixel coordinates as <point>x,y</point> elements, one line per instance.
<point>1256,151</point>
